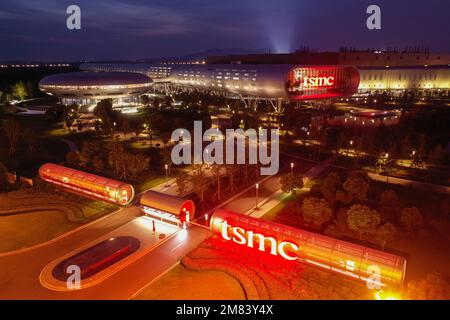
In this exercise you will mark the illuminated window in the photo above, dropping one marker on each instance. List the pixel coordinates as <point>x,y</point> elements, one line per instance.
<point>350,265</point>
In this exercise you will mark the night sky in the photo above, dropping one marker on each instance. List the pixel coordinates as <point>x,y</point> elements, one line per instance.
<point>133,29</point>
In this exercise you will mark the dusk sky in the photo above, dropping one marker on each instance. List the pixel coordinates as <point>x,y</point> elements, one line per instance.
<point>134,29</point>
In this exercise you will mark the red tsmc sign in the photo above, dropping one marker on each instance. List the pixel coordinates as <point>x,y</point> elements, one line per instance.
<point>317,81</point>
<point>321,82</point>
<point>293,244</point>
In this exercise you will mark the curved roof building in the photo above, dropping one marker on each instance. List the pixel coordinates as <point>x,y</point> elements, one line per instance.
<point>288,82</point>
<point>98,85</point>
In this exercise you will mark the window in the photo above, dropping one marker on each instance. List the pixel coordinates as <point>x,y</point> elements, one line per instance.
<point>350,265</point>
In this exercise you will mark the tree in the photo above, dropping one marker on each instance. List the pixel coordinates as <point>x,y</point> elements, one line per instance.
<point>316,211</point>
<point>70,114</point>
<point>3,177</point>
<point>138,164</point>
<point>29,137</point>
<point>411,218</point>
<point>89,149</point>
<point>437,156</point>
<point>389,204</point>
<point>330,185</point>
<point>72,159</point>
<point>98,163</point>
<point>362,219</point>
<point>12,130</point>
<point>166,156</point>
<point>145,100</point>
<point>231,174</point>
<point>182,182</point>
<point>418,156</point>
<point>356,187</point>
<point>115,155</point>
<point>386,233</point>
<point>125,127</point>
<point>385,163</point>
<point>105,112</point>
<point>19,90</point>
<point>200,183</point>
<point>217,170</point>
<point>291,182</point>
<point>433,287</point>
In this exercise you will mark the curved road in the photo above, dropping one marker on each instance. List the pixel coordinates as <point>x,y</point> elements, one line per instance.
<point>19,273</point>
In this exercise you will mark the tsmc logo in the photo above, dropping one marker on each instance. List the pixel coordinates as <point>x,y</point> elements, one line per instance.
<point>286,249</point>
<point>317,81</point>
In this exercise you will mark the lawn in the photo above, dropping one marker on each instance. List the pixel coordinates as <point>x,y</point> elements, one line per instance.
<point>30,217</point>
<point>265,277</point>
<point>183,284</point>
<point>149,182</point>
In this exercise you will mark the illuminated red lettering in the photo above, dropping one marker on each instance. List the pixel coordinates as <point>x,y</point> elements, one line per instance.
<point>318,81</point>
<point>285,249</point>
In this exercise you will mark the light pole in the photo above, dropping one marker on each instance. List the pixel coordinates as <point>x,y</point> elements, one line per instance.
<point>167,174</point>
<point>387,164</point>
<point>257,195</point>
<point>292,168</point>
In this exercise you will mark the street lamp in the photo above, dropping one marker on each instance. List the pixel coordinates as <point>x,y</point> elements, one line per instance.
<point>167,174</point>
<point>257,196</point>
<point>292,168</point>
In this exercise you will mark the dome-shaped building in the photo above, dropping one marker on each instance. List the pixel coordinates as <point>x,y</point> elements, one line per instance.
<point>87,88</point>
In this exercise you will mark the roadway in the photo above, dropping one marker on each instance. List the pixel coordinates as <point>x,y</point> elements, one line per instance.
<point>19,273</point>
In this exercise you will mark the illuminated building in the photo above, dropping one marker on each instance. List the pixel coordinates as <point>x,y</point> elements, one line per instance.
<point>397,79</point>
<point>87,88</point>
<point>353,260</point>
<point>88,184</point>
<point>263,80</point>
<point>283,82</point>
<point>167,208</point>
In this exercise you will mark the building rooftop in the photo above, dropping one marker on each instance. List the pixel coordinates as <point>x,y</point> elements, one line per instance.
<point>94,79</point>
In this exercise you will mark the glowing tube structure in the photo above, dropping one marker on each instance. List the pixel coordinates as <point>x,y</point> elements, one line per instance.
<point>88,184</point>
<point>167,208</point>
<point>372,266</point>
<point>279,81</point>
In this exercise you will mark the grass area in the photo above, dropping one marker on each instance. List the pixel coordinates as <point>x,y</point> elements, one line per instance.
<point>21,231</point>
<point>149,183</point>
<point>182,284</point>
<point>263,276</point>
<point>29,218</point>
<point>272,214</point>
<point>138,145</point>
<point>59,132</point>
